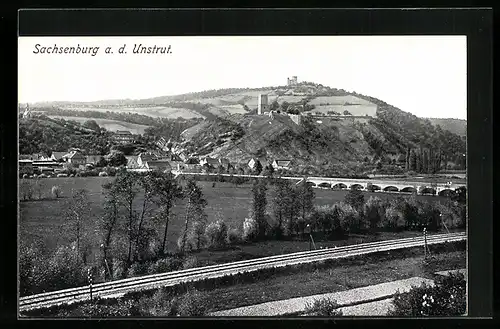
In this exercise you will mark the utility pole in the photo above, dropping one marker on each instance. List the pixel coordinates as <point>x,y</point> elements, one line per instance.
<point>89,275</point>
<point>425,243</point>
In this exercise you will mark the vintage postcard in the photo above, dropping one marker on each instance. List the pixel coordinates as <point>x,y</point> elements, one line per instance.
<point>246,176</point>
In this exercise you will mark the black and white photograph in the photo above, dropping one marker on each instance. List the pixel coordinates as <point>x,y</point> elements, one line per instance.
<point>242,176</point>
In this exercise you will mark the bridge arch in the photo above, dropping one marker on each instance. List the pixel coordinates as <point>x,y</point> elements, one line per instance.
<point>324,184</point>
<point>390,188</point>
<point>311,184</point>
<point>408,189</point>
<point>356,186</point>
<point>339,186</point>
<point>373,187</point>
<point>427,190</point>
<point>446,192</point>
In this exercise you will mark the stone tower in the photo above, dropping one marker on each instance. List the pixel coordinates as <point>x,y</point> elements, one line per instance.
<point>263,104</point>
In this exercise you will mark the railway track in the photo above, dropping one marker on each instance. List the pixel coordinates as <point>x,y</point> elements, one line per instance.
<point>119,288</point>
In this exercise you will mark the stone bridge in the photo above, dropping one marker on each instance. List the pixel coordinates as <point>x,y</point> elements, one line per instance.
<point>384,185</point>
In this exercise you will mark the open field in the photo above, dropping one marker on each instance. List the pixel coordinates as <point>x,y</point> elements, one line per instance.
<point>357,110</point>
<point>152,111</point>
<point>41,220</point>
<point>111,125</point>
<point>338,100</point>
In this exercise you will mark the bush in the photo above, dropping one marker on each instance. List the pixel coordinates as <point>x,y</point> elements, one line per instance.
<point>26,189</point>
<point>216,234</point>
<point>193,303</point>
<point>56,191</point>
<point>233,236</point>
<point>119,269</point>
<point>165,265</point>
<point>103,174</point>
<point>162,303</point>
<point>323,307</point>
<point>137,269</point>
<point>393,219</point>
<point>190,262</point>
<point>446,298</point>
<point>250,229</point>
<point>350,219</point>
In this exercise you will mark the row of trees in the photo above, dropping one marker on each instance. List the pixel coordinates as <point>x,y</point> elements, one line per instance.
<point>293,211</point>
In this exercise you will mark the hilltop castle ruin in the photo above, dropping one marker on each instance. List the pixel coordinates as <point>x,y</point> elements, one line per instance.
<point>292,81</point>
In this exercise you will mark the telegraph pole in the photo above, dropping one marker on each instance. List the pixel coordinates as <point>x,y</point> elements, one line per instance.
<point>89,275</point>
<point>425,243</point>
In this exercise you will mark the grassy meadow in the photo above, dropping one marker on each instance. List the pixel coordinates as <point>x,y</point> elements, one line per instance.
<point>41,221</point>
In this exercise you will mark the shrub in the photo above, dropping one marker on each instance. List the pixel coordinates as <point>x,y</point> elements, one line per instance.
<point>350,220</point>
<point>56,191</point>
<point>64,269</point>
<point>233,236</point>
<point>165,265</point>
<point>323,307</point>
<point>119,269</point>
<point>190,262</point>
<point>393,219</point>
<point>103,174</point>
<point>250,229</point>
<point>193,303</point>
<point>446,298</point>
<point>137,269</point>
<point>216,233</point>
<point>162,303</point>
<point>429,216</point>
<point>26,189</point>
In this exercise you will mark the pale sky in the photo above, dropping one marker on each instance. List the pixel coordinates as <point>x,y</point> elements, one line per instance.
<point>423,75</point>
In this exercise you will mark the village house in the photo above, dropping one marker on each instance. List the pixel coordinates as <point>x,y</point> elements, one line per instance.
<point>145,157</point>
<point>132,162</point>
<point>192,164</point>
<point>34,156</point>
<point>161,165</point>
<point>56,156</point>
<point>209,162</point>
<point>26,167</point>
<point>123,137</point>
<point>75,158</point>
<point>175,162</point>
<point>253,162</point>
<point>93,159</point>
<point>282,164</point>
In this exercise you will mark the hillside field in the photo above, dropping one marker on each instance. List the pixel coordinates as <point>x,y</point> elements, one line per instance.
<point>152,111</point>
<point>41,221</point>
<point>110,125</point>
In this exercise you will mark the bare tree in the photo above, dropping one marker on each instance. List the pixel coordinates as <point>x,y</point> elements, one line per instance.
<point>167,191</point>
<point>195,208</point>
<point>77,213</point>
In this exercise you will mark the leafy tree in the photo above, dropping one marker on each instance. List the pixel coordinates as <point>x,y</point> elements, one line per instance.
<point>116,158</point>
<point>305,197</point>
<point>355,198</point>
<point>258,167</point>
<point>259,190</point>
<point>282,203</point>
<point>92,124</point>
<point>374,211</point>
